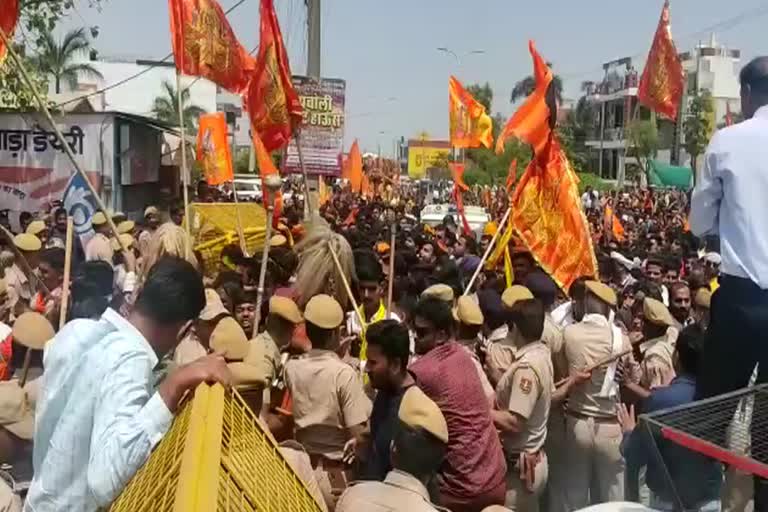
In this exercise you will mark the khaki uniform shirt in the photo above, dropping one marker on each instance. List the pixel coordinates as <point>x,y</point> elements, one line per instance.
<point>500,355</point>
<point>657,369</point>
<point>9,502</point>
<point>189,349</point>
<point>586,343</point>
<point>269,362</point>
<point>552,337</point>
<point>19,290</point>
<point>99,248</point>
<point>399,492</point>
<point>328,397</point>
<point>526,390</point>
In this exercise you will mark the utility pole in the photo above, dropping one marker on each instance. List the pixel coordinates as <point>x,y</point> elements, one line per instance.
<point>313,71</point>
<point>313,38</point>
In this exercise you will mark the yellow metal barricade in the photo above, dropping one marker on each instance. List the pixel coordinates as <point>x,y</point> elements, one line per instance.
<point>216,457</point>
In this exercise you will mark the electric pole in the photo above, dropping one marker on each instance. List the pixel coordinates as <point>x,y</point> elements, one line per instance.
<point>313,71</point>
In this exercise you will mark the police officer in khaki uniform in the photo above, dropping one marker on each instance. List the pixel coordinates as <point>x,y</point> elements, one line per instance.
<point>330,408</point>
<point>418,449</point>
<point>196,343</point>
<point>439,291</point>
<point>99,247</point>
<point>594,467</point>
<point>500,356</point>
<point>660,331</point>
<point>20,285</point>
<point>283,317</point>
<point>469,321</point>
<point>523,398</point>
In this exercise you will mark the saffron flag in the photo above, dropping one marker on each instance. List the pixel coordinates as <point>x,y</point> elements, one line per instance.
<point>267,168</point>
<point>532,121</point>
<point>459,187</point>
<point>663,79</point>
<point>470,125</point>
<point>205,45</point>
<point>365,187</point>
<point>511,176</point>
<point>9,17</point>
<point>213,152</point>
<point>355,172</point>
<point>271,101</point>
<point>323,192</point>
<point>546,211</point>
<point>613,225</point>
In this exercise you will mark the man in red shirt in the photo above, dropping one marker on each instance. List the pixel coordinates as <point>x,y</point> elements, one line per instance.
<point>472,476</point>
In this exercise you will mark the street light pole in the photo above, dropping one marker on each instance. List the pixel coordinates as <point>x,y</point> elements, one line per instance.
<point>456,56</point>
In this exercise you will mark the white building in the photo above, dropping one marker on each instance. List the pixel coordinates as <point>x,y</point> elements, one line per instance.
<point>715,68</point>
<point>144,81</point>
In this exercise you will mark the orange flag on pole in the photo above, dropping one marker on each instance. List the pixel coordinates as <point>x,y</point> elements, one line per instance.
<point>470,125</point>
<point>663,79</point>
<point>271,101</point>
<point>9,17</point>
<point>365,187</point>
<point>266,168</point>
<point>531,123</point>
<point>204,44</point>
<point>213,151</point>
<point>511,176</point>
<point>355,172</point>
<point>546,211</point>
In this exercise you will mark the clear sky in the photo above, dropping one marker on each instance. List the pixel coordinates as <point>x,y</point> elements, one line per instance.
<point>396,78</point>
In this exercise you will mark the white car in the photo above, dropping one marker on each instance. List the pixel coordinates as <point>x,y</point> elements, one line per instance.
<point>477,216</point>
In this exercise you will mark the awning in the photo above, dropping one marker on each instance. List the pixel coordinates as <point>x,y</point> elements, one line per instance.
<point>665,175</point>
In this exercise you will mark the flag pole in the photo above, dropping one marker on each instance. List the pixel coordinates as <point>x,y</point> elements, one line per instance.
<point>272,183</point>
<point>19,257</point>
<point>64,144</point>
<point>308,199</point>
<point>67,272</point>
<point>184,169</point>
<point>239,222</point>
<point>488,251</point>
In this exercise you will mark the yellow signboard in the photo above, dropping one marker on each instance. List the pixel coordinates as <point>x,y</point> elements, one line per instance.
<point>424,155</point>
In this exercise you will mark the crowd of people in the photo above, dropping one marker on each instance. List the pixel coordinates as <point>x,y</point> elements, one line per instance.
<point>393,379</point>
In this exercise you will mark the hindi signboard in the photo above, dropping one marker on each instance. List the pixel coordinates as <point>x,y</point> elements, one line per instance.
<point>34,169</point>
<point>322,130</point>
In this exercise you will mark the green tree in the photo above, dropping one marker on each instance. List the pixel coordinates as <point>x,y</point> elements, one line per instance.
<point>57,59</point>
<point>698,126</point>
<point>523,88</point>
<point>14,93</point>
<point>166,108</point>
<point>483,94</point>
<point>644,136</point>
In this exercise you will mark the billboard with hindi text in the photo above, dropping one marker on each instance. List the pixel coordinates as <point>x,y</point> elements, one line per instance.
<point>322,129</point>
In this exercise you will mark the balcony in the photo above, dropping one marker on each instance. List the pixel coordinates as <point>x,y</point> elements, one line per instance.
<point>615,138</point>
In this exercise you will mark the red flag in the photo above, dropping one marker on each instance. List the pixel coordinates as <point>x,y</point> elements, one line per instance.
<point>663,79</point>
<point>511,176</point>
<point>266,168</point>
<point>531,121</point>
<point>9,17</point>
<point>271,100</point>
<point>205,45</point>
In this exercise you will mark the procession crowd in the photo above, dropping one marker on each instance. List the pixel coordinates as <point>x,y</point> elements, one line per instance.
<point>397,370</point>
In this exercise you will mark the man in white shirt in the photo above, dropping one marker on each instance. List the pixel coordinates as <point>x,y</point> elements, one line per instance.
<point>730,201</point>
<point>97,416</point>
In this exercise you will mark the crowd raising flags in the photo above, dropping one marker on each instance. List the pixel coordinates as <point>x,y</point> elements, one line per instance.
<point>663,79</point>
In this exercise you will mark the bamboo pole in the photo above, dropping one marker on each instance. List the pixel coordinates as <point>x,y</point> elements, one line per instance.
<point>64,144</point>
<point>347,288</point>
<point>67,272</point>
<point>184,168</point>
<point>602,362</point>
<point>495,238</point>
<point>239,223</point>
<point>264,259</point>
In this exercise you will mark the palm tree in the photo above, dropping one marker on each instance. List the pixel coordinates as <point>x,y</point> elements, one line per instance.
<point>525,87</point>
<point>57,59</point>
<point>166,108</point>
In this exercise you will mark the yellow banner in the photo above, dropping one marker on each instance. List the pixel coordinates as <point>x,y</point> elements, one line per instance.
<point>424,157</point>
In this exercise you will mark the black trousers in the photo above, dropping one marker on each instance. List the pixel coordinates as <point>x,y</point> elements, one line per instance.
<point>737,340</point>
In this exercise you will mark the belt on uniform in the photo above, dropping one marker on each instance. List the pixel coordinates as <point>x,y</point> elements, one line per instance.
<point>596,419</point>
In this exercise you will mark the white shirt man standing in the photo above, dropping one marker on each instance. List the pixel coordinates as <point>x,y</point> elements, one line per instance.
<point>729,201</point>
